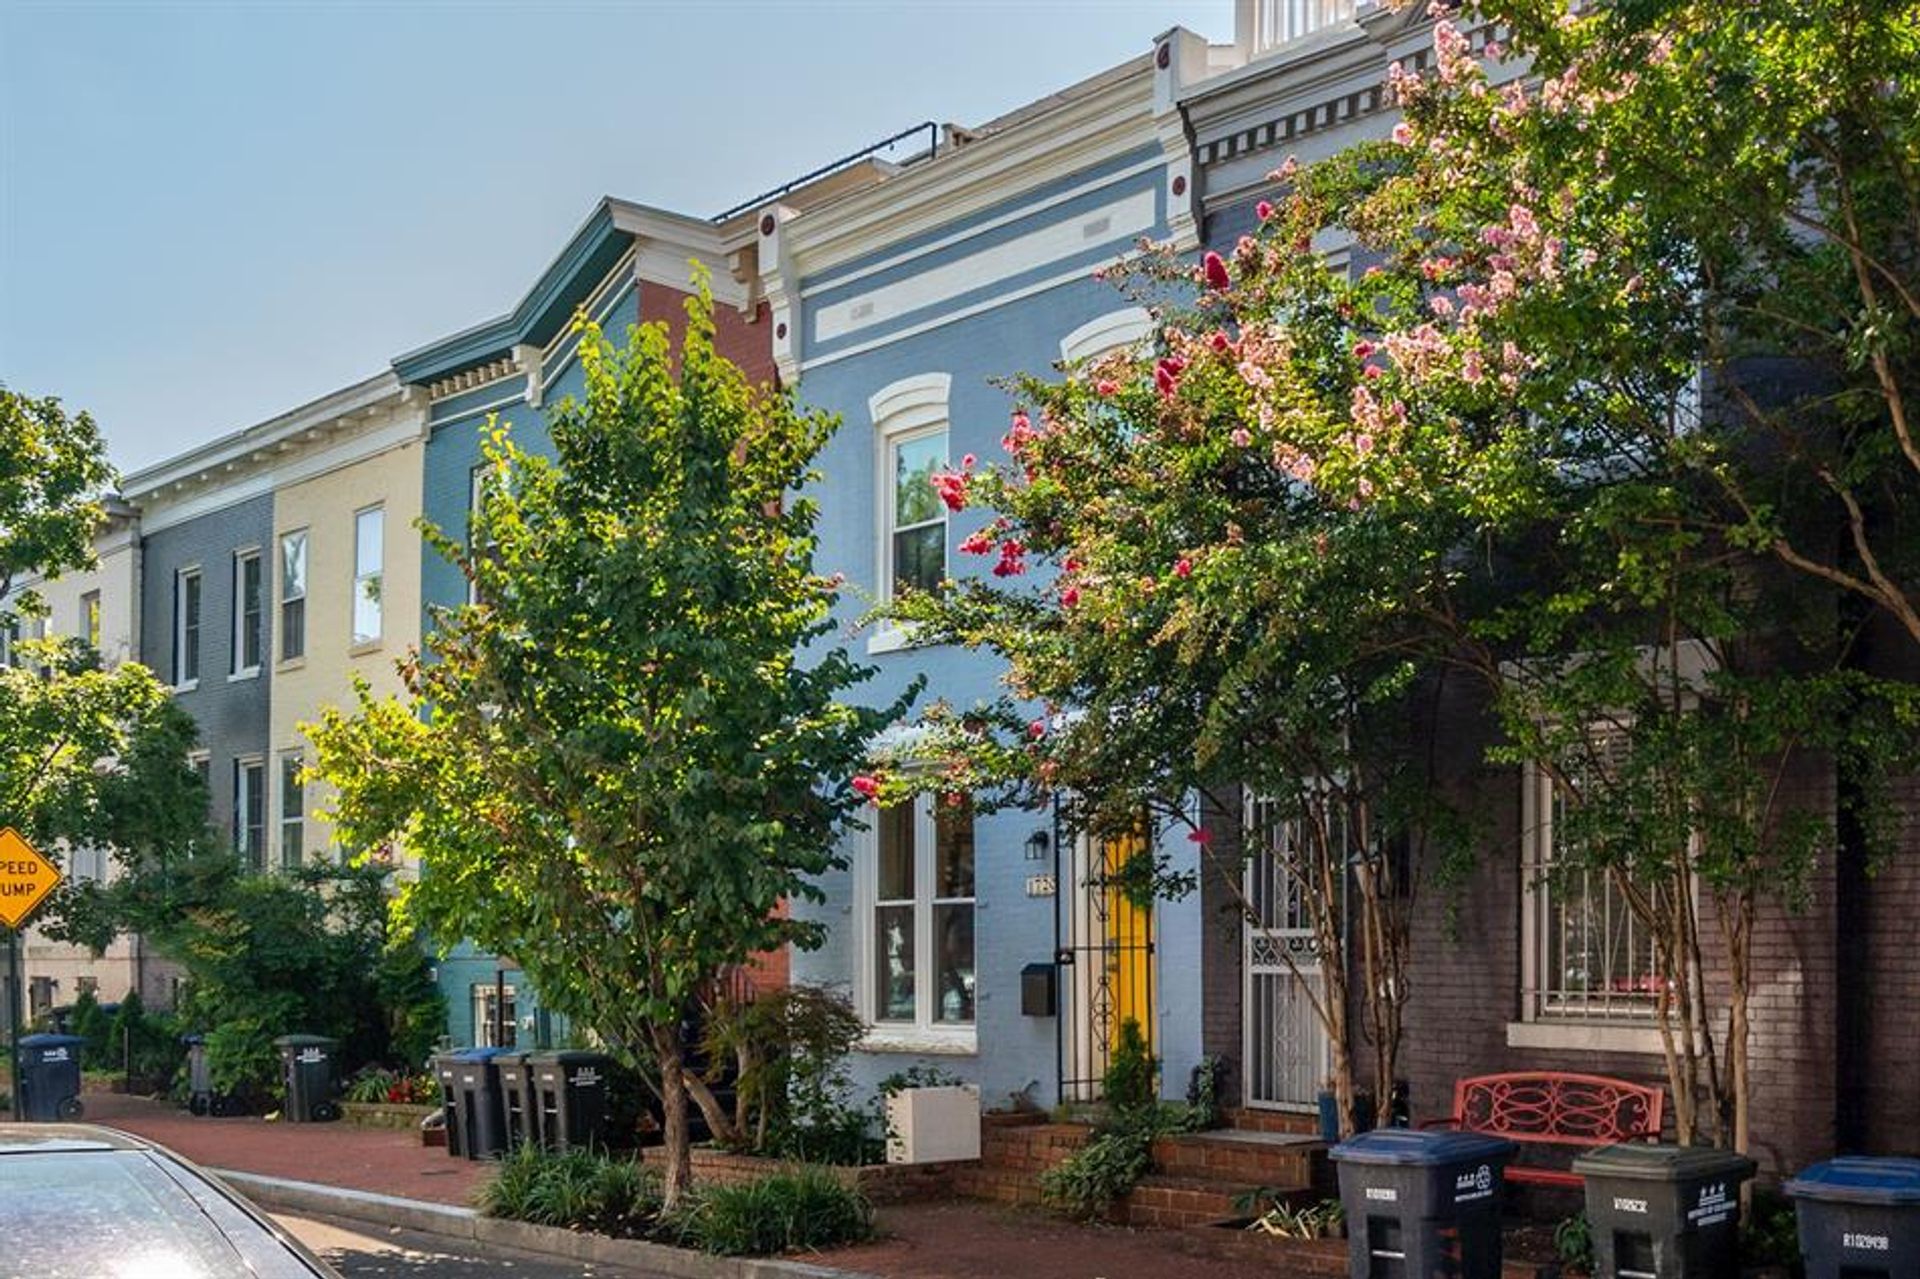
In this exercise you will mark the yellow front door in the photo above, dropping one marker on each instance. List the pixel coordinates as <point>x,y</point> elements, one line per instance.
<point>1129,943</point>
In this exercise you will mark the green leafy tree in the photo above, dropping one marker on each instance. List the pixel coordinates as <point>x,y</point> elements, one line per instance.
<point>617,763</point>
<point>53,471</point>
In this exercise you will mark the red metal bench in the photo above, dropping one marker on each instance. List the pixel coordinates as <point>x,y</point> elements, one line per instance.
<point>1559,1109</point>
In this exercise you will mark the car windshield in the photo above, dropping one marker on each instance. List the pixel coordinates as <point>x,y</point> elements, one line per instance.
<point>107,1215</point>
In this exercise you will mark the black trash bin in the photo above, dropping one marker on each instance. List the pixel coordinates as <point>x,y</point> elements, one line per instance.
<point>478,1123</point>
<point>1421,1203</point>
<point>518,1106</point>
<point>1859,1218</point>
<point>307,1066</point>
<point>1664,1212</point>
<point>49,1081</point>
<point>570,1098</point>
<point>446,1070</point>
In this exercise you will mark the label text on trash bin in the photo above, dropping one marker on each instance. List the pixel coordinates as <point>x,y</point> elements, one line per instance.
<point>586,1077</point>
<point>1714,1206</point>
<point>1866,1243</point>
<point>1623,1204</point>
<point>1386,1194</point>
<point>1477,1184</point>
<point>310,1057</point>
<point>50,1055</point>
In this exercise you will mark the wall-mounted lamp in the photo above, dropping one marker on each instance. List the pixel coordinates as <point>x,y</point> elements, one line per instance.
<point>1037,845</point>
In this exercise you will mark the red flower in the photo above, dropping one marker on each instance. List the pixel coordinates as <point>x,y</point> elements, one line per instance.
<point>1012,559</point>
<point>1222,343</point>
<point>1037,729</point>
<point>978,542</point>
<point>1214,268</point>
<point>1166,375</point>
<point>1201,836</point>
<point>1106,387</point>
<point>1263,210</point>
<point>1070,597</point>
<point>1183,567</point>
<point>866,786</point>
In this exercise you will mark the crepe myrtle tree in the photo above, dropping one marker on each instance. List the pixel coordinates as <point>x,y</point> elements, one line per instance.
<point>619,762</point>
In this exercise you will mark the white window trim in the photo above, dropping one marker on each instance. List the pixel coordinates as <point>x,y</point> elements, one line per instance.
<point>1126,327</point>
<point>902,411</point>
<point>359,644</point>
<point>241,763</point>
<point>279,800</point>
<point>236,671</point>
<point>281,599</point>
<point>923,1034</point>
<point>180,576</point>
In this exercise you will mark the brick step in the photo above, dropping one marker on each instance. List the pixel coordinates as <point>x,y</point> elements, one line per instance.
<point>1253,1158</point>
<point>1173,1202</point>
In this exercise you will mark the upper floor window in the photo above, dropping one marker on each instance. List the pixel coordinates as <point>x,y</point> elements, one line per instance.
<point>90,619</point>
<point>186,627</point>
<point>1116,330</point>
<point>369,552</point>
<point>921,885</point>
<point>911,417</point>
<point>248,616</point>
<point>1589,956</point>
<point>293,595</point>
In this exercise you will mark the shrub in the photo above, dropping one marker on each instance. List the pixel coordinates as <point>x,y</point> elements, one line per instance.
<point>1128,1085</point>
<point>801,1208</point>
<point>1573,1241</point>
<point>1087,1182</point>
<point>577,1190</point>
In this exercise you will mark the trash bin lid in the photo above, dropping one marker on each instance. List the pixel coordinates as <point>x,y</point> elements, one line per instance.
<point>305,1041</point>
<point>1859,1179</point>
<point>45,1040</point>
<point>478,1054</point>
<point>1423,1148</point>
<point>1643,1161</point>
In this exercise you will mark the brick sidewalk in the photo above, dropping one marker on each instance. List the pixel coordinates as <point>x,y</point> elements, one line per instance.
<point>383,1160</point>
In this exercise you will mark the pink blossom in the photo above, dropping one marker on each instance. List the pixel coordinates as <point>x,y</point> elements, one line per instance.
<point>1037,729</point>
<point>967,462</point>
<point>1441,305</point>
<point>1221,342</point>
<point>866,786</point>
<point>1470,368</point>
<point>1013,560</point>
<point>1263,210</point>
<point>1493,51</point>
<point>1070,597</point>
<point>1525,226</point>
<point>1166,375</point>
<point>952,488</point>
<point>979,542</point>
<point>1362,349</point>
<point>1183,567</point>
<point>1403,134</point>
<point>1242,437</point>
<point>1363,444</point>
<point>1106,387</point>
<point>1373,371</point>
<point>1201,836</point>
<point>1288,167</point>
<point>1214,269</point>
<point>1255,376</point>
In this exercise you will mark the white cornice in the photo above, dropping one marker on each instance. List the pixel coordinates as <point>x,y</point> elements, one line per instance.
<point>252,447</point>
<point>1107,117</point>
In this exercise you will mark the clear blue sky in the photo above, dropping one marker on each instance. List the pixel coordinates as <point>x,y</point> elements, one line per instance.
<point>211,213</point>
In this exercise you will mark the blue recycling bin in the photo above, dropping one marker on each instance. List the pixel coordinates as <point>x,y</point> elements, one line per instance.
<point>49,1082</point>
<point>1859,1218</point>
<point>1424,1203</point>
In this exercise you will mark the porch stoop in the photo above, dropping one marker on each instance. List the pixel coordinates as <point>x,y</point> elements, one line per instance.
<point>1196,1176</point>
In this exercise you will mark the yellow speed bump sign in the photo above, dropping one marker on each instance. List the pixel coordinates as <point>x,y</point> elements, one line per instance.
<point>26,877</point>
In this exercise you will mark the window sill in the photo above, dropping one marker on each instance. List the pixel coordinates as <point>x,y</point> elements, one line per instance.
<point>912,1039</point>
<point>252,672</point>
<point>360,648</point>
<point>1586,1036</point>
<point>188,687</point>
<point>292,663</point>
<point>889,638</point>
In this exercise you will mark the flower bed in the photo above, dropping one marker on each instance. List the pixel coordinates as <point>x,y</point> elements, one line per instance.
<point>384,1114</point>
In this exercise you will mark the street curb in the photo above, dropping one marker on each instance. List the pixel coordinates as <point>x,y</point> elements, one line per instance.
<point>279,1195</point>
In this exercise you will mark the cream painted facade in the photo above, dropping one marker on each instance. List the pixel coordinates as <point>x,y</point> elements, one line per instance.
<point>373,478</point>
<point>102,605</point>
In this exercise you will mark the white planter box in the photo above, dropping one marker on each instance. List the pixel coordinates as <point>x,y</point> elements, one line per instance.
<point>933,1125</point>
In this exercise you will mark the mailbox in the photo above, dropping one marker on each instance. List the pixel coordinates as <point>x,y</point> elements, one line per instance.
<point>1037,983</point>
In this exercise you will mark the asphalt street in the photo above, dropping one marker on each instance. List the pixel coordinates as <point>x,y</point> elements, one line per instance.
<point>362,1252</point>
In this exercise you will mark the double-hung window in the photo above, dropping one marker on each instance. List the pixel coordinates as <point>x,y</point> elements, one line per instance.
<point>293,809</point>
<point>293,595</point>
<point>916,518</point>
<point>1589,956</point>
<point>248,614</point>
<point>186,628</point>
<point>920,928</point>
<point>250,812</point>
<point>369,552</point>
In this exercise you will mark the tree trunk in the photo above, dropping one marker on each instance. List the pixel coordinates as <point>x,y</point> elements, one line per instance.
<point>670,1055</point>
<point>723,1126</point>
